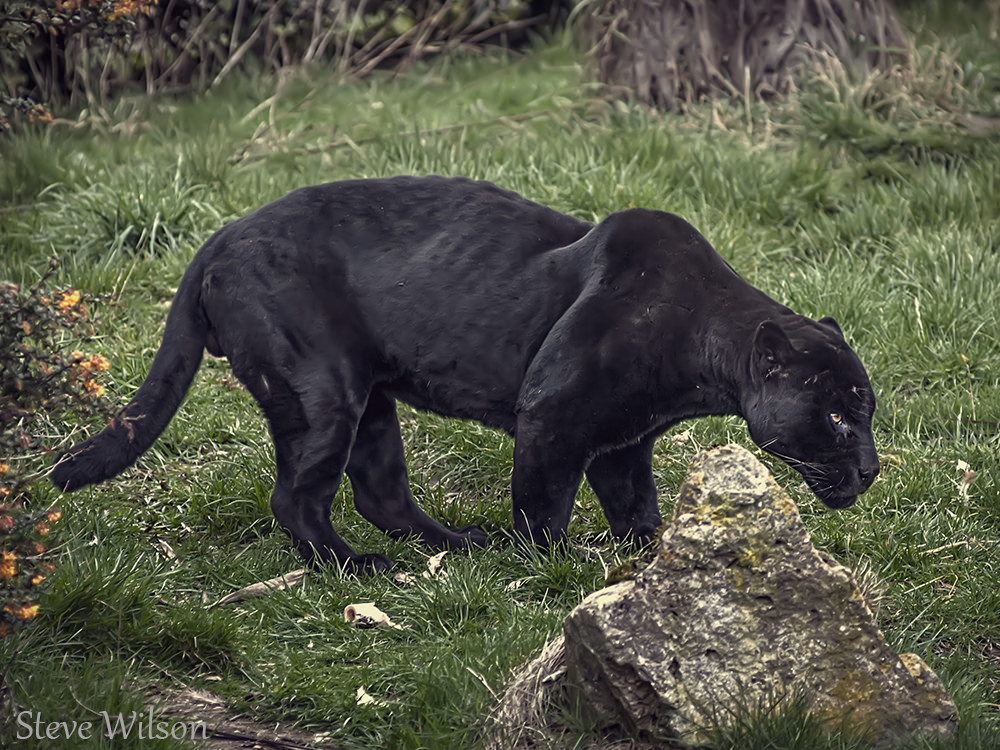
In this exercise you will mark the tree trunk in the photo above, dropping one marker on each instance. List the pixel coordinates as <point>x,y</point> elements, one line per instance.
<point>671,52</point>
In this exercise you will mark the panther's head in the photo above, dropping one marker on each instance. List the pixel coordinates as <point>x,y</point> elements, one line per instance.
<point>810,404</point>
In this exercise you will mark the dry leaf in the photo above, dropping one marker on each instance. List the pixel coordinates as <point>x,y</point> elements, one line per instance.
<point>365,698</point>
<point>434,564</point>
<point>166,549</point>
<point>681,438</point>
<point>968,476</point>
<point>367,615</point>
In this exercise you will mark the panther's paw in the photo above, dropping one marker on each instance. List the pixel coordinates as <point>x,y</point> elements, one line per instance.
<point>472,536</point>
<point>365,565</point>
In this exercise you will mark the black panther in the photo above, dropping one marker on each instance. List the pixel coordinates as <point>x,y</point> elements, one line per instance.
<point>584,342</point>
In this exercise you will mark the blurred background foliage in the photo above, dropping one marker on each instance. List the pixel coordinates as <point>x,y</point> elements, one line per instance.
<point>66,56</point>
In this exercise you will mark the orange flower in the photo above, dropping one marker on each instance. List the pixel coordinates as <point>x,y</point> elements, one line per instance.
<point>124,8</point>
<point>70,300</point>
<point>29,612</point>
<point>4,468</point>
<point>94,388</point>
<point>37,579</point>
<point>42,528</point>
<point>39,113</point>
<point>54,515</point>
<point>8,565</point>
<point>26,327</point>
<point>24,612</point>
<point>6,523</point>
<point>94,363</point>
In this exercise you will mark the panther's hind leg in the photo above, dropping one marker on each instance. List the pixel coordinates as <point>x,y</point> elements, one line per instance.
<point>377,470</point>
<point>315,540</point>
<point>312,430</point>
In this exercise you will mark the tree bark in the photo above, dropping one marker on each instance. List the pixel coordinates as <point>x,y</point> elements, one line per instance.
<point>672,52</point>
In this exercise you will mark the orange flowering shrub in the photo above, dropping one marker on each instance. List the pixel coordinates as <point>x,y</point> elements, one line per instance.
<point>22,23</point>
<point>39,381</point>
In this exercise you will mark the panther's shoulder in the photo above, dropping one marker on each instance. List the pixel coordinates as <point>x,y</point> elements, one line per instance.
<point>641,238</point>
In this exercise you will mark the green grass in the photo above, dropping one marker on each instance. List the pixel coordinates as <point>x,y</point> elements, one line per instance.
<point>857,197</point>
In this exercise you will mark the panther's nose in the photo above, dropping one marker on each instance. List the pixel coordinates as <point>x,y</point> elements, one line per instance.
<point>868,474</point>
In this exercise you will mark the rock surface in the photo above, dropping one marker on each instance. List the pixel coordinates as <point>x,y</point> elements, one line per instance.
<point>737,610</point>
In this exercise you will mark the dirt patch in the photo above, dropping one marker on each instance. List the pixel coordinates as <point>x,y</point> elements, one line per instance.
<point>227,731</point>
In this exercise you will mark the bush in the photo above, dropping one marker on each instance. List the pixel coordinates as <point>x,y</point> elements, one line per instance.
<point>50,30</point>
<point>39,380</point>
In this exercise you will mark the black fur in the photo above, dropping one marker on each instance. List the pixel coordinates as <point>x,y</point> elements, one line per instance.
<point>584,342</point>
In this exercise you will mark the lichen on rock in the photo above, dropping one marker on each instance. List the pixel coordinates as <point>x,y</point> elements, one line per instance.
<point>739,608</point>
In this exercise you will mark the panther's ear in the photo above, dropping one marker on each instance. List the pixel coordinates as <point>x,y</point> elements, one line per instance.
<point>832,324</point>
<point>772,348</point>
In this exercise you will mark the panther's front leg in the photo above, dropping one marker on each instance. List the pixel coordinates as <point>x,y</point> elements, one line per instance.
<point>548,469</point>
<point>622,479</point>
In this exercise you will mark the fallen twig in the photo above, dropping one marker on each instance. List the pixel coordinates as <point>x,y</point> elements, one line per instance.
<point>263,588</point>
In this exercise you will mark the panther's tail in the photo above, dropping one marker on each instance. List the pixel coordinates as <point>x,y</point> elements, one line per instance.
<point>138,425</point>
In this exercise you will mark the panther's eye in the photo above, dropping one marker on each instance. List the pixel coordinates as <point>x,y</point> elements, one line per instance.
<point>837,419</point>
